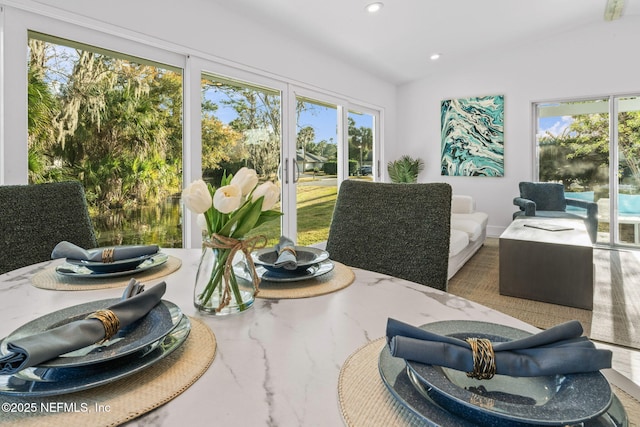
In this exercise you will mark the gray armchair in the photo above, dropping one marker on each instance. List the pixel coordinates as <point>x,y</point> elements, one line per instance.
<point>402,230</point>
<point>34,218</point>
<point>546,199</point>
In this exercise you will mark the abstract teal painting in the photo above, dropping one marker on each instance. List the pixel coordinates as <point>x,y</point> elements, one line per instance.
<point>472,132</point>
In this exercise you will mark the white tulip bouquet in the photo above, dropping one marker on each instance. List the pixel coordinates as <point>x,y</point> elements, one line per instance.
<point>230,212</point>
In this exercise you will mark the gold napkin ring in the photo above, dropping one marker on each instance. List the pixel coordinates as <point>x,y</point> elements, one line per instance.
<point>109,321</point>
<point>107,255</point>
<point>484,359</point>
<point>288,249</point>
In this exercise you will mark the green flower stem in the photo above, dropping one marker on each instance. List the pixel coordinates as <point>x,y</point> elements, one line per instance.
<point>236,290</point>
<point>217,276</point>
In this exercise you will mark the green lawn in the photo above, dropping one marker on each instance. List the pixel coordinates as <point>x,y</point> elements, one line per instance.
<point>315,208</point>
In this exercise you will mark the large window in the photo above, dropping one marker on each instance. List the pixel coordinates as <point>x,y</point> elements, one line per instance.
<point>114,123</point>
<point>593,147</point>
<point>241,127</point>
<point>317,168</point>
<point>361,148</point>
<point>134,120</point>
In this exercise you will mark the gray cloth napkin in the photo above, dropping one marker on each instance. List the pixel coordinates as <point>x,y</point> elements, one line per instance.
<point>286,259</point>
<point>35,349</point>
<point>66,249</point>
<point>558,350</point>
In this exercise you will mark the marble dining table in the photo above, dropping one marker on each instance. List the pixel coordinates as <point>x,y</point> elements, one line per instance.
<point>278,363</point>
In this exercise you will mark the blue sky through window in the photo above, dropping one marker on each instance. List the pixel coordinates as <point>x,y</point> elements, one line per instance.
<point>323,119</point>
<point>554,125</point>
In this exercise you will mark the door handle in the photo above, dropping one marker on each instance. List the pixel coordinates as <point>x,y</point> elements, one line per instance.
<point>296,171</point>
<point>286,170</point>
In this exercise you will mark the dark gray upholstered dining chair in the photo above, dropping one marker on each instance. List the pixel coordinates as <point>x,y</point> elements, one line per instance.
<point>34,218</point>
<point>547,200</point>
<point>402,230</point>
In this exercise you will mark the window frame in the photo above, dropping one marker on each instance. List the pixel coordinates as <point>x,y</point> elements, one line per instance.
<point>17,22</point>
<point>614,156</point>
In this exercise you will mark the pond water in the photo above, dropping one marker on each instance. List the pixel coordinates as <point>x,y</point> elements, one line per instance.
<point>159,224</point>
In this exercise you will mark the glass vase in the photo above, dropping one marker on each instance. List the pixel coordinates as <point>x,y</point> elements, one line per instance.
<point>216,293</point>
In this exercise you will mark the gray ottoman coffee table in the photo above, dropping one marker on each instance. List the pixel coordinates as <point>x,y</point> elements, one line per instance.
<point>549,260</point>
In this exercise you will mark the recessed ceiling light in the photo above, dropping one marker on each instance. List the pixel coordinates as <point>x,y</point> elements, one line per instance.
<point>374,7</point>
<point>435,56</point>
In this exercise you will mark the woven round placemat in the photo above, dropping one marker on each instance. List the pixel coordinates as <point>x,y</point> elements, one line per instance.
<point>365,400</point>
<point>127,398</point>
<point>49,279</point>
<point>340,277</point>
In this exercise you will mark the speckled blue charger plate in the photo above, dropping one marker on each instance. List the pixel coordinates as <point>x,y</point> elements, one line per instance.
<point>38,382</point>
<point>161,320</point>
<point>414,397</point>
<point>545,400</point>
<point>81,271</point>
<point>294,276</point>
<point>393,373</point>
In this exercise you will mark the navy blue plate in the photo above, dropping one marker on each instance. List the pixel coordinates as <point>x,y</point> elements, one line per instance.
<point>306,257</point>
<point>545,400</point>
<point>33,382</point>
<point>411,393</point>
<point>161,320</point>
<point>82,271</point>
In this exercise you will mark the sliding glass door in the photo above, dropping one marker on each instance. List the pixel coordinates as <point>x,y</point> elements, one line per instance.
<point>316,168</point>
<point>135,123</point>
<point>241,127</point>
<point>324,158</point>
<point>361,136</point>
<point>593,147</point>
<point>627,202</point>
<point>112,121</point>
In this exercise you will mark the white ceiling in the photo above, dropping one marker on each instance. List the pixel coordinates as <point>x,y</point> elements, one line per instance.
<point>395,44</point>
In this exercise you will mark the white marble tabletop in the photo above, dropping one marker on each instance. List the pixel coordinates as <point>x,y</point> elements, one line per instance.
<point>277,364</point>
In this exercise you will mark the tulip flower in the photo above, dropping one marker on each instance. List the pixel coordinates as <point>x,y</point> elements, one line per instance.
<point>227,199</point>
<point>271,193</point>
<point>246,179</point>
<point>196,197</point>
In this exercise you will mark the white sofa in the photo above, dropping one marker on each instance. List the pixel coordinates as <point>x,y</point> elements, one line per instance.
<point>468,232</point>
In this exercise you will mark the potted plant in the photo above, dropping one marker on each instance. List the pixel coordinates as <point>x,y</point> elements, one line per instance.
<point>405,169</point>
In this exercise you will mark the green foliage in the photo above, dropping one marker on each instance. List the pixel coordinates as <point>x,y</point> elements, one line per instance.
<point>353,167</point>
<point>559,161</point>
<point>580,155</point>
<point>360,139</point>
<point>116,126</point>
<point>330,168</point>
<point>405,169</point>
<point>110,123</point>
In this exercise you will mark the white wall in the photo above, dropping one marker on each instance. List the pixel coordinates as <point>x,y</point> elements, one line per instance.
<point>206,26</point>
<point>597,60</point>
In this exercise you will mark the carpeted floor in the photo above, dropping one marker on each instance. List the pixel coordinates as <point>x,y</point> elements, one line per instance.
<point>616,314</point>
